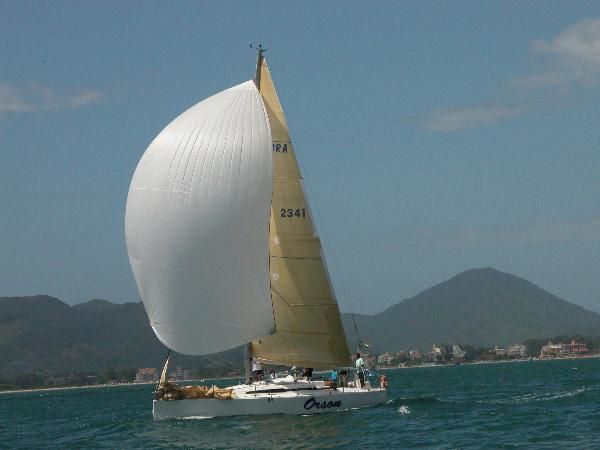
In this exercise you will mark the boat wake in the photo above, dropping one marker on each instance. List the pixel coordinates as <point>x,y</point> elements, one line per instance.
<point>404,410</point>
<point>194,418</point>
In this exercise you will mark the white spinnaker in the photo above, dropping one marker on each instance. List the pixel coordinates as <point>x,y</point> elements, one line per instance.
<point>197,225</point>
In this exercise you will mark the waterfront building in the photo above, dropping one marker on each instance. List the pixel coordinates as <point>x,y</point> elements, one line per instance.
<point>517,351</point>
<point>437,354</point>
<point>457,352</point>
<point>430,357</point>
<point>179,374</point>
<point>415,354</point>
<point>576,347</point>
<point>147,374</point>
<point>385,358</point>
<point>552,350</point>
<point>499,351</point>
<point>369,359</point>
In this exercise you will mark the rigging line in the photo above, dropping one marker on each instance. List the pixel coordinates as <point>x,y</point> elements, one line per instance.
<point>356,332</point>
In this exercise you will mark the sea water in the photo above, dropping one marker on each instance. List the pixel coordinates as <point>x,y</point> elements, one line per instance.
<point>530,404</point>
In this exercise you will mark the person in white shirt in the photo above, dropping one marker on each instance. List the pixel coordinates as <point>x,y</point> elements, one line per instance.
<point>257,369</point>
<point>360,367</point>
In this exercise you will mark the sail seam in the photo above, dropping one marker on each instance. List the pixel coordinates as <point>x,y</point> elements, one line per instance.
<point>233,145</point>
<point>187,127</point>
<point>222,129</point>
<point>296,257</point>
<point>217,123</point>
<point>238,142</point>
<point>196,131</point>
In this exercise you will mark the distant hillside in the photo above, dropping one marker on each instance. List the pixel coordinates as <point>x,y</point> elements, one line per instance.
<point>41,334</point>
<point>479,307</point>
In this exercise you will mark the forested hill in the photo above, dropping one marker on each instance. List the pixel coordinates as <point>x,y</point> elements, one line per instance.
<point>43,335</point>
<point>479,307</point>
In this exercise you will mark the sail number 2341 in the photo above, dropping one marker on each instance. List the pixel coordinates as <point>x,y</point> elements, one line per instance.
<point>289,212</point>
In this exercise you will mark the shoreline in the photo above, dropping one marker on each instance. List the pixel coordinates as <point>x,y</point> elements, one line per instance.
<point>481,362</point>
<point>421,366</point>
<point>108,385</point>
<point>64,388</point>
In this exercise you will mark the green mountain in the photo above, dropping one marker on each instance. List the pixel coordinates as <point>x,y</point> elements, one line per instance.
<point>43,335</point>
<point>481,307</point>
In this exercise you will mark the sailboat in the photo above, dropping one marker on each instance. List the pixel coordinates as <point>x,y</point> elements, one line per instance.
<point>224,252</point>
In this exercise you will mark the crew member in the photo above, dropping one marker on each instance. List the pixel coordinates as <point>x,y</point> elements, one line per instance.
<point>308,371</point>
<point>383,382</point>
<point>257,369</point>
<point>360,367</point>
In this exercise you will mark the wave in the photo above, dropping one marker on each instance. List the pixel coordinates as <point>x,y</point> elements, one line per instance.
<point>535,397</point>
<point>428,400</point>
<point>516,399</point>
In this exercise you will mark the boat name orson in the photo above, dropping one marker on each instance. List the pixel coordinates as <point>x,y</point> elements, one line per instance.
<point>312,403</point>
<point>280,148</point>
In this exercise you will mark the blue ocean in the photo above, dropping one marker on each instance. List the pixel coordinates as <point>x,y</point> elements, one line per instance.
<point>530,404</point>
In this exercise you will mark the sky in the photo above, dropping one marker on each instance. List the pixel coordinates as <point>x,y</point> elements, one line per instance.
<point>434,137</point>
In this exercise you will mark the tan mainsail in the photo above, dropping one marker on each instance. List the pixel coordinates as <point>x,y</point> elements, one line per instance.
<point>308,328</point>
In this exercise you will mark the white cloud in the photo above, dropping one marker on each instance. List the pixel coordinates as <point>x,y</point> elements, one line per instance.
<point>37,97</point>
<point>452,119</point>
<point>574,57</point>
<point>85,98</point>
<point>11,100</point>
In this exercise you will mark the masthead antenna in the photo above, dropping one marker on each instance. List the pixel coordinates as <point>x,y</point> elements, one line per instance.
<point>259,56</point>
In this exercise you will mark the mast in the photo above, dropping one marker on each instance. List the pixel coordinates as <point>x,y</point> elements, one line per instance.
<point>248,346</point>
<point>356,332</point>
<point>247,362</point>
<point>259,58</point>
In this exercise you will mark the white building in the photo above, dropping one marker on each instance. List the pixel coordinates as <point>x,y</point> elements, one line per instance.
<point>436,354</point>
<point>551,350</point>
<point>145,375</point>
<point>415,354</point>
<point>386,358</point>
<point>517,351</point>
<point>499,351</point>
<point>179,374</point>
<point>458,352</point>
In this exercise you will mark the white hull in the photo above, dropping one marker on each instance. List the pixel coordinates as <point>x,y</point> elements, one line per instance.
<point>302,398</point>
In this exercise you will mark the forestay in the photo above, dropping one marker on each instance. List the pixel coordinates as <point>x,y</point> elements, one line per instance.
<point>197,225</point>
